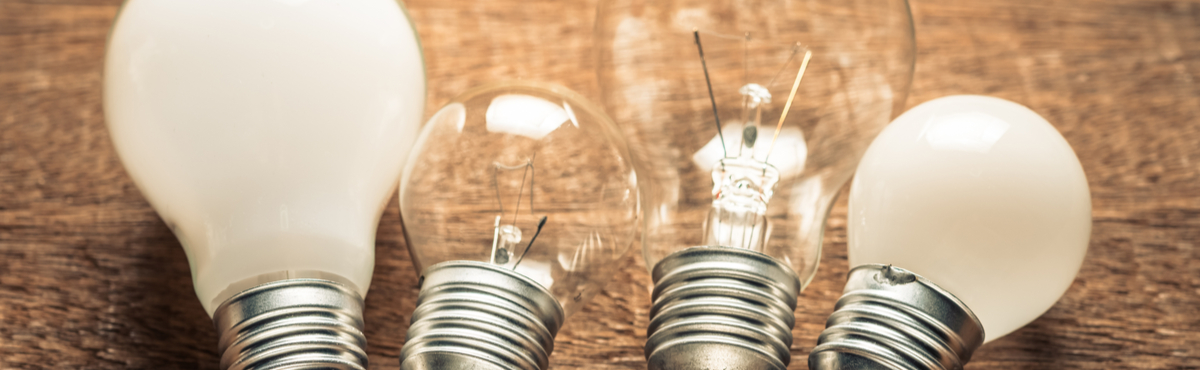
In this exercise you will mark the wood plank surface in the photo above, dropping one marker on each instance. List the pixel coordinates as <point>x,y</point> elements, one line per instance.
<point>91,278</point>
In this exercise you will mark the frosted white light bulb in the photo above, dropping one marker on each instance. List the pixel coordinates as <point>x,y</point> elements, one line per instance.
<point>267,134</point>
<point>979,195</point>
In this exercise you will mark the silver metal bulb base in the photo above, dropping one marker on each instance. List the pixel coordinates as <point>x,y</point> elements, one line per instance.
<point>721,308</point>
<point>478,316</point>
<point>292,324</point>
<point>891,318</point>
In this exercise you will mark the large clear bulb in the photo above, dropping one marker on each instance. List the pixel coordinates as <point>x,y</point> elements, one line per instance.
<point>517,201</point>
<point>268,135</point>
<point>749,118</point>
<point>978,195</point>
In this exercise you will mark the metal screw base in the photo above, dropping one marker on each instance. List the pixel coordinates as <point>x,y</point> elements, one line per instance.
<point>890,318</point>
<point>721,308</point>
<point>292,324</point>
<point>474,315</point>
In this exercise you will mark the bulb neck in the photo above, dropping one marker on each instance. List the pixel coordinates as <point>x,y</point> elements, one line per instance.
<point>474,315</point>
<point>292,324</point>
<point>891,318</point>
<point>742,188</point>
<point>721,308</point>
<point>747,181</point>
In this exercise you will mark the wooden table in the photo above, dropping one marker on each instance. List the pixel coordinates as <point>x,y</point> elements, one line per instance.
<point>91,278</point>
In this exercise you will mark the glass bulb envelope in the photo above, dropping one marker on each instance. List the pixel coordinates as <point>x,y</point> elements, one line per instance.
<point>748,117</point>
<point>858,59</point>
<point>525,177</point>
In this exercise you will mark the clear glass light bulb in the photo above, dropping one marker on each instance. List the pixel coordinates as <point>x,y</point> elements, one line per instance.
<point>267,134</point>
<point>514,192</point>
<point>982,197</point>
<point>749,118</point>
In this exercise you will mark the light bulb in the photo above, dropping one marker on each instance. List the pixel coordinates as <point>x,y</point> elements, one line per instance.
<point>269,136</point>
<point>968,214</point>
<point>518,200</point>
<point>749,119</point>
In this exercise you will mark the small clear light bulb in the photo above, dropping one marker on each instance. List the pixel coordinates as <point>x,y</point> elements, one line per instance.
<point>517,202</point>
<point>749,119</point>
<point>268,135</point>
<point>968,214</point>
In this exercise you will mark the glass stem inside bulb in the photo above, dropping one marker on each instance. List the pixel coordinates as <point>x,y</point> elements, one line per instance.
<point>754,99</point>
<point>505,242</point>
<point>742,188</point>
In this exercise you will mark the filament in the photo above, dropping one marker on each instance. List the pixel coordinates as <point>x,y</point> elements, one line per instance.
<point>795,49</point>
<point>788,106</point>
<point>711,98</point>
<point>521,192</point>
<point>745,97</point>
<point>512,234</point>
<point>530,172</point>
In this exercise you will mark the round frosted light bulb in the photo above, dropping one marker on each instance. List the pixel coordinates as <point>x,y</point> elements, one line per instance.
<point>517,201</point>
<point>268,136</point>
<point>980,196</point>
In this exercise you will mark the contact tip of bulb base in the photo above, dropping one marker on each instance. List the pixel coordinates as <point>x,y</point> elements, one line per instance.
<point>292,324</point>
<point>891,318</point>
<point>478,316</point>
<point>721,308</point>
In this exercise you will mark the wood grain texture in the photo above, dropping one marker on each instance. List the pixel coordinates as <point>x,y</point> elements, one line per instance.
<point>91,278</point>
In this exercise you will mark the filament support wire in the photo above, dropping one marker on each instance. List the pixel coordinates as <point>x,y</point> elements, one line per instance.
<point>474,315</point>
<point>890,318</point>
<point>721,308</point>
<point>292,324</point>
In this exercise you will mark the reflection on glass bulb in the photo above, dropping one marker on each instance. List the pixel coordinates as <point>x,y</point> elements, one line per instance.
<point>525,115</point>
<point>517,202</point>
<point>268,136</point>
<point>982,197</point>
<point>795,93</point>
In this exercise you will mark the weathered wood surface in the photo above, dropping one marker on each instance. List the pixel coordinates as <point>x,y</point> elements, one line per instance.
<point>91,278</point>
